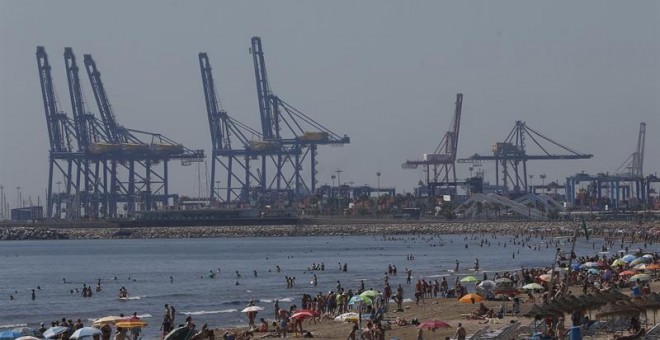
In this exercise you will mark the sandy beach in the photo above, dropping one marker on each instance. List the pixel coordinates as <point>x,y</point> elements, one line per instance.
<point>449,310</point>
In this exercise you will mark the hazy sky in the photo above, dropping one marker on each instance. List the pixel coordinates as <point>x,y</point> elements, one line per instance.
<point>386,73</point>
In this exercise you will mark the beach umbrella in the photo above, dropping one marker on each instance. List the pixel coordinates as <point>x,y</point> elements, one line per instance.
<point>9,335</point>
<point>311,311</point>
<point>470,298</point>
<point>626,273</point>
<point>346,317</point>
<point>531,286</point>
<point>302,315</point>
<point>25,331</point>
<point>180,333</point>
<point>28,337</point>
<point>618,262</point>
<point>54,331</point>
<point>629,258</point>
<point>107,319</point>
<point>590,264</point>
<point>468,279</point>
<point>370,293</point>
<point>432,325</point>
<point>653,266</point>
<point>638,261</point>
<point>357,298</point>
<point>488,284</point>
<point>131,323</point>
<point>503,280</point>
<point>252,309</point>
<point>641,266</point>
<point>640,277</point>
<point>593,271</point>
<point>545,277</point>
<point>85,332</point>
<point>648,256</point>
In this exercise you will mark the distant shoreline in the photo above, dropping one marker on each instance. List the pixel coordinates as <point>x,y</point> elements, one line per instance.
<point>343,227</point>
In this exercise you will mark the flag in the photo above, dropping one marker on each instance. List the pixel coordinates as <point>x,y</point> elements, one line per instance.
<point>586,231</point>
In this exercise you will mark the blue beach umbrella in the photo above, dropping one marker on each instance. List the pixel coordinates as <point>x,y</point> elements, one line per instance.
<point>9,335</point>
<point>629,258</point>
<point>54,331</point>
<point>593,271</point>
<point>357,298</point>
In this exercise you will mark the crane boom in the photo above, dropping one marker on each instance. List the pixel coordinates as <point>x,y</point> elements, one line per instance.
<point>457,126</point>
<point>56,120</point>
<point>219,133</point>
<point>114,132</point>
<point>269,122</point>
<point>638,160</point>
<point>84,132</point>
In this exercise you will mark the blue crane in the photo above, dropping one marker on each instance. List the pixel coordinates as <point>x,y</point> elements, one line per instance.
<point>440,166</point>
<point>297,143</point>
<point>61,131</point>
<point>223,129</point>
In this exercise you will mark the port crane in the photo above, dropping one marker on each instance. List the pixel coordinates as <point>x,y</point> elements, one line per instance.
<point>289,137</point>
<point>235,161</point>
<point>512,153</point>
<point>142,157</point>
<point>440,166</point>
<point>86,152</point>
<point>633,166</point>
<point>63,160</point>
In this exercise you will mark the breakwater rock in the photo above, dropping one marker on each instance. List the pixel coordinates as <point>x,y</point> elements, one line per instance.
<point>599,229</point>
<point>30,233</point>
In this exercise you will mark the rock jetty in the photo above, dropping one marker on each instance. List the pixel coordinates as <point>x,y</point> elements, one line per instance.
<point>615,229</point>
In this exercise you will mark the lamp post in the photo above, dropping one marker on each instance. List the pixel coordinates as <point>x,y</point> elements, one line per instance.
<point>378,199</point>
<point>18,197</point>
<point>2,202</point>
<point>338,171</point>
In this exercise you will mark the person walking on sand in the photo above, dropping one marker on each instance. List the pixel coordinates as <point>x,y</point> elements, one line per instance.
<point>353,334</point>
<point>460,332</point>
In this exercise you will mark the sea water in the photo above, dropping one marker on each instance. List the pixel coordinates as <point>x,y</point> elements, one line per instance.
<point>144,268</point>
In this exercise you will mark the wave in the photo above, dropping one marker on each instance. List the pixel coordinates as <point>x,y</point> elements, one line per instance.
<point>286,299</point>
<point>17,325</point>
<point>210,312</point>
<point>137,297</point>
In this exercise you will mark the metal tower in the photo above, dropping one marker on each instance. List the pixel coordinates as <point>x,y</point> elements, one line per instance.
<point>234,161</point>
<point>440,166</point>
<point>287,150</point>
<point>512,154</point>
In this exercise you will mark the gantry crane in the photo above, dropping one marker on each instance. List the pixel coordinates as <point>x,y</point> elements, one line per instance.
<point>440,166</point>
<point>633,166</point>
<point>293,146</point>
<point>61,156</point>
<point>103,150</point>
<point>125,152</point>
<point>223,128</point>
<point>86,134</point>
<point>512,153</point>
